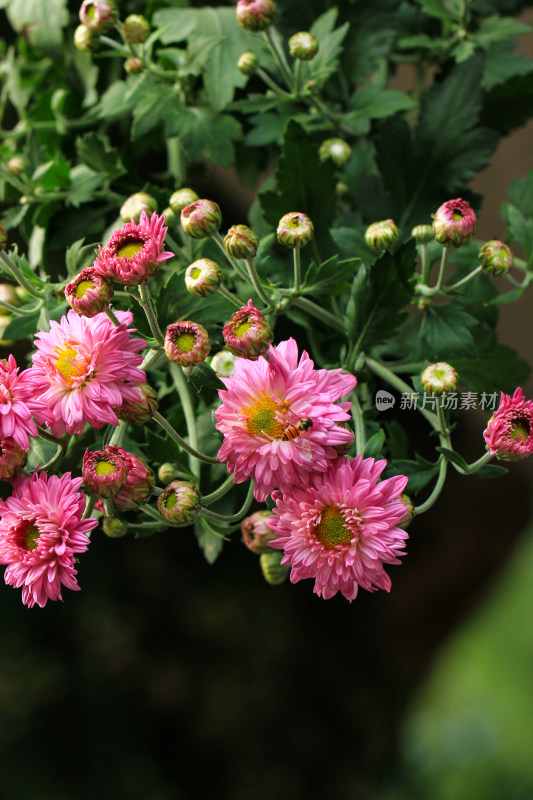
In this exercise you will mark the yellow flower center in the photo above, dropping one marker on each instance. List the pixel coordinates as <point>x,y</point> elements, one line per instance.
<point>520,429</point>
<point>68,365</point>
<point>129,248</point>
<point>332,530</point>
<point>90,11</point>
<point>30,536</point>
<point>294,222</point>
<point>262,417</point>
<point>195,273</point>
<point>186,342</point>
<point>457,216</point>
<point>171,500</point>
<point>242,329</point>
<point>82,288</point>
<point>104,468</point>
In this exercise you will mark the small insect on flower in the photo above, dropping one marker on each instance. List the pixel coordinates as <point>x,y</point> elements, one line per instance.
<point>297,429</point>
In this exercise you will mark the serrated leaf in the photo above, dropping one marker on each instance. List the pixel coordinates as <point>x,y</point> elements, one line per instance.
<point>497,29</point>
<point>19,327</point>
<point>95,150</point>
<point>374,445</point>
<point>445,332</point>
<point>378,297</point>
<point>502,64</point>
<point>520,229</point>
<point>420,472</point>
<point>206,133</point>
<point>330,277</point>
<point>372,102</point>
<point>521,194</point>
<point>508,105</point>
<point>155,104</point>
<point>78,256</point>
<point>204,376</point>
<point>325,61</point>
<point>441,9</point>
<point>84,182</point>
<point>496,367</point>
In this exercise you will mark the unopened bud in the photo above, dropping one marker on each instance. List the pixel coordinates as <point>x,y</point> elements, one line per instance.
<point>201,219</point>
<point>136,204</point>
<point>187,343</point>
<point>179,503</point>
<point>12,459</point>
<point>16,165</point>
<point>496,257</point>
<point>223,363</point>
<point>140,480</point>
<point>114,527</point>
<point>104,473</point>
<point>247,63</point>
<point>134,65</point>
<point>255,15</point>
<point>454,223</point>
<point>380,236</point>
<point>135,29</point>
<point>303,46</point>
<point>337,150</point>
<point>256,534</point>
<point>167,472</point>
<point>273,571</point>
<point>247,333</point>
<point>295,230</point>
<point>422,234</point>
<point>241,242</point>
<point>181,198</point>
<point>85,38</point>
<point>439,378</point>
<point>89,293</point>
<point>98,15</point>
<point>140,410</point>
<point>203,277</point>
<point>409,511</point>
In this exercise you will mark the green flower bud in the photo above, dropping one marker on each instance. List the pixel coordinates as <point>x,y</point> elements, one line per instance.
<point>496,257</point>
<point>203,277</point>
<point>295,230</point>
<point>303,46</point>
<point>409,511</point>
<point>135,29</point>
<point>223,363</point>
<point>381,235</point>
<point>247,63</point>
<point>85,38</point>
<point>167,472</point>
<point>422,234</point>
<point>241,242</point>
<point>179,503</point>
<point>255,15</point>
<point>114,527</point>
<point>439,378</point>
<point>15,166</point>
<point>201,219</point>
<point>337,150</point>
<point>170,216</point>
<point>273,572</point>
<point>134,65</point>
<point>135,204</point>
<point>181,198</point>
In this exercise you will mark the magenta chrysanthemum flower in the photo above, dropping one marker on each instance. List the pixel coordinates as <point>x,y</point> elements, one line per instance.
<point>18,404</point>
<point>84,368</point>
<point>509,432</point>
<point>454,223</point>
<point>140,480</point>
<point>342,527</point>
<point>265,414</point>
<point>135,252</point>
<point>41,531</point>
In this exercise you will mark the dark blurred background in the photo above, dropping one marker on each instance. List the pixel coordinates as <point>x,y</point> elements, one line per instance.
<point>165,678</point>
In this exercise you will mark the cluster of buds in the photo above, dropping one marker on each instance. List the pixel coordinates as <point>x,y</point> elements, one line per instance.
<point>187,343</point>
<point>179,503</point>
<point>380,236</point>
<point>140,481</point>
<point>255,15</point>
<point>295,230</point>
<point>247,333</point>
<point>454,223</point>
<point>200,219</point>
<point>96,17</point>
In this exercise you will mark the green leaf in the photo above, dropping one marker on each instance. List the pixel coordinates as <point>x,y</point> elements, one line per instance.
<point>114,101</point>
<point>441,9</point>
<point>453,457</point>
<point>496,367</point>
<point>521,194</point>
<point>41,21</point>
<point>78,256</point>
<point>498,29</point>
<point>420,472</point>
<point>374,445</point>
<point>208,134</point>
<point>19,327</point>
<point>53,175</point>
<point>520,229</point>
<point>330,277</point>
<point>210,543</point>
<point>371,102</point>
<point>304,184</point>
<point>502,63</point>
<point>155,104</point>
<point>95,150</point>
<point>491,471</point>
<point>379,294</point>
<point>40,452</point>
<point>508,105</point>
<point>84,181</point>
<point>326,60</point>
<point>351,241</point>
<point>267,127</point>
<point>445,333</point>
<point>205,376</point>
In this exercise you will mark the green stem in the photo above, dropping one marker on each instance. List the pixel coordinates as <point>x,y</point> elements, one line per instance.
<point>17,274</point>
<point>44,434</point>
<point>272,40</point>
<point>424,257</point>
<point>357,414</point>
<point>465,280</point>
<point>175,159</point>
<point>317,312</point>
<point>184,393</point>
<point>56,458</point>
<point>181,442</point>
<point>114,45</point>
<point>234,517</point>
<point>229,296</point>
<point>297,76</point>
<point>169,239</point>
<point>475,465</point>
<point>430,291</point>
<point>149,310</point>
<point>436,489</point>
<point>117,437</point>
<point>111,316</point>
<point>265,77</point>
<point>151,359</point>
<point>393,380</point>
<point>254,277</point>
<point>109,508</point>
<point>89,507</point>
<point>19,312</point>
<point>297,263</point>
<point>218,493</point>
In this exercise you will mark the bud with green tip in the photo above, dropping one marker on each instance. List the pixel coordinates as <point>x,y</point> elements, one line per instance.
<point>114,527</point>
<point>85,38</point>
<point>223,363</point>
<point>140,480</point>
<point>179,503</point>
<point>247,333</point>
<point>495,257</point>
<point>134,65</point>
<point>187,343</point>
<point>170,217</point>
<point>167,472</point>
<point>16,166</point>
<point>380,236</point>
<point>182,198</point>
<point>135,29</point>
<point>203,277</point>
<point>140,410</point>
<point>439,378</point>
<point>454,223</point>
<point>136,204</point>
<point>12,459</point>
<point>337,150</point>
<point>422,234</point>
<point>241,242</point>
<point>247,63</point>
<point>255,15</point>
<point>273,571</point>
<point>303,46</point>
<point>409,511</point>
<point>295,230</point>
<point>99,15</point>
<point>201,219</point>
<point>256,534</point>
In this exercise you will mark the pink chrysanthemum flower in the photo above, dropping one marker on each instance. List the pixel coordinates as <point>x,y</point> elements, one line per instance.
<point>342,527</point>
<point>85,367</point>
<point>278,419</point>
<point>41,531</point>
<point>140,480</point>
<point>454,223</point>
<point>135,252</point>
<point>18,404</point>
<point>509,432</point>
